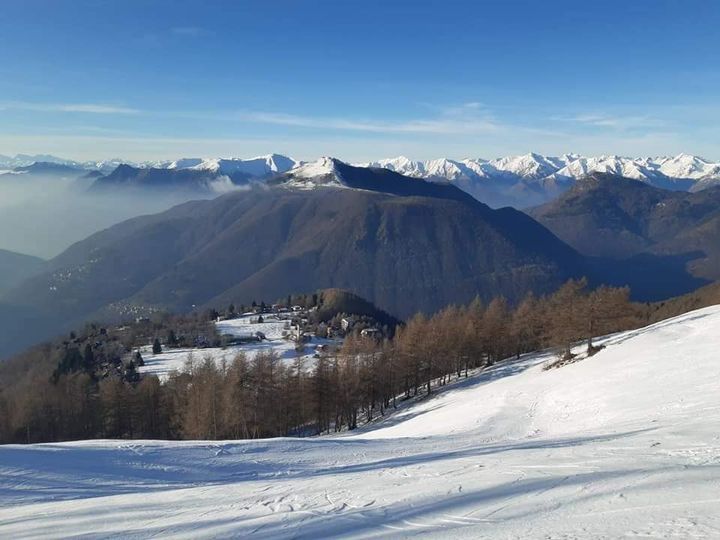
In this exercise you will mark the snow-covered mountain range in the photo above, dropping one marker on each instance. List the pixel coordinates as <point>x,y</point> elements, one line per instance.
<point>25,160</point>
<point>519,181</point>
<point>569,166</point>
<point>256,166</point>
<point>534,178</point>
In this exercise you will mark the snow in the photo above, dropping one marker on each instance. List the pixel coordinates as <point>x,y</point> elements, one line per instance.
<point>256,167</point>
<point>623,444</point>
<point>528,166</point>
<point>324,166</point>
<point>172,359</point>
<point>448,169</point>
<point>320,173</point>
<point>184,163</point>
<point>534,167</point>
<point>400,164</point>
<point>441,168</point>
<point>626,167</point>
<point>24,160</point>
<point>687,166</point>
<point>540,173</point>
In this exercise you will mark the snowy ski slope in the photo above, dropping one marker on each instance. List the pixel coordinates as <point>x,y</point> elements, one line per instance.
<point>624,444</point>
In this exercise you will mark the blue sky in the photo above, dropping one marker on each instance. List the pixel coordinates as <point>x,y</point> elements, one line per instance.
<point>359,80</point>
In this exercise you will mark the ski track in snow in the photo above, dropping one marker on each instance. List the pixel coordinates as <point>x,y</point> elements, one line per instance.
<point>622,445</point>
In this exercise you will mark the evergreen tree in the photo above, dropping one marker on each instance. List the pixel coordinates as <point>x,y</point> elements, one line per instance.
<point>171,340</point>
<point>88,358</point>
<point>70,362</point>
<point>131,374</point>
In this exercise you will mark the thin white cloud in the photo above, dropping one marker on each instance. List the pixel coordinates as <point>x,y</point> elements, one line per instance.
<point>90,108</point>
<point>457,131</point>
<point>620,122</point>
<point>441,126</point>
<point>466,119</point>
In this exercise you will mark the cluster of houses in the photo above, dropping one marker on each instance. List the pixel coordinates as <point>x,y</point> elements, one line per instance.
<point>300,326</point>
<point>348,323</point>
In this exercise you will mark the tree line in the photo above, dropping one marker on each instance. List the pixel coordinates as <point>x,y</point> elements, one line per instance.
<point>263,396</point>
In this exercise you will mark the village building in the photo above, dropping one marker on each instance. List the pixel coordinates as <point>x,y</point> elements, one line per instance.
<point>371,332</point>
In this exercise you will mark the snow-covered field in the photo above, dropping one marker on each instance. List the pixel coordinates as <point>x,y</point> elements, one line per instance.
<point>175,359</point>
<point>624,444</point>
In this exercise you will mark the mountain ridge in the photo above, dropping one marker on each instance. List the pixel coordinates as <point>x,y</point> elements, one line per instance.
<point>16,267</point>
<point>602,216</point>
<point>405,244</point>
<point>416,248</point>
<point>532,179</point>
<point>520,181</point>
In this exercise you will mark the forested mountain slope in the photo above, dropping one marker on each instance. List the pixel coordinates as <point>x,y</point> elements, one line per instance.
<point>403,252</point>
<point>16,267</point>
<point>404,244</point>
<point>603,215</point>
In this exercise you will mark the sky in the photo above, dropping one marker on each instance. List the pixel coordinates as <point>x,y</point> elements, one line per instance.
<point>359,80</point>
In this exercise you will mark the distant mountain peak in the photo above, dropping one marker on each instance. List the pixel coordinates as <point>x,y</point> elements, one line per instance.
<point>321,172</point>
<point>255,167</point>
<point>185,163</point>
<point>322,165</point>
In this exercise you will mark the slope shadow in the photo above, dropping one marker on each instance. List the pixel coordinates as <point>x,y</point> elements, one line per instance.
<point>394,520</point>
<point>476,451</point>
<point>101,472</point>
